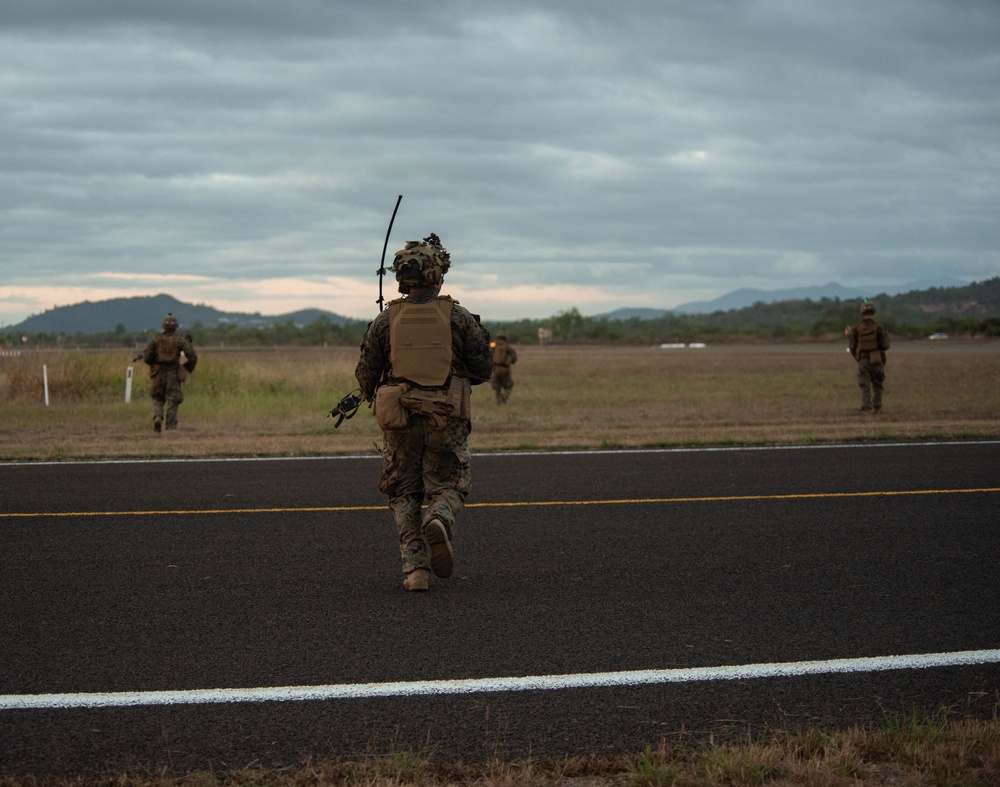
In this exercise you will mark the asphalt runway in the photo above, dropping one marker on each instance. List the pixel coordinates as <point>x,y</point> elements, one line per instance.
<point>212,614</point>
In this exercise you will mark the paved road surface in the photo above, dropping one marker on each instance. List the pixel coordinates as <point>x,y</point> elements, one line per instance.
<point>595,599</point>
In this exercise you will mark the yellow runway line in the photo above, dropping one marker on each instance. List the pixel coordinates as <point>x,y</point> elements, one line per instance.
<point>520,504</point>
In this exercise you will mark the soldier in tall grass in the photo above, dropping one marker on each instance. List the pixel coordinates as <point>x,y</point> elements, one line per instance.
<point>504,356</point>
<point>868,343</point>
<point>170,357</point>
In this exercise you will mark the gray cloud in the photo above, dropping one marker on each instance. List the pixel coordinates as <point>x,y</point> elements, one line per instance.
<point>664,152</point>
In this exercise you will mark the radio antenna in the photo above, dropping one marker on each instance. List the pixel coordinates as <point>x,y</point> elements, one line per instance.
<point>381,270</point>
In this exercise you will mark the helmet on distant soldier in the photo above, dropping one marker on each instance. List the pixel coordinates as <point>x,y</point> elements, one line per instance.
<point>170,323</point>
<point>867,308</point>
<point>421,263</point>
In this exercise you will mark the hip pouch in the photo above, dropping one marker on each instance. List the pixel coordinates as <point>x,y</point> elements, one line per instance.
<point>453,402</point>
<point>875,358</point>
<point>390,415</point>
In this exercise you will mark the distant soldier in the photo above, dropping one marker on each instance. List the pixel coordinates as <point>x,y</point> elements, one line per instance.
<point>419,359</point>
<point>868,343</point>
<point>171,358</point>
<point>504,356</point>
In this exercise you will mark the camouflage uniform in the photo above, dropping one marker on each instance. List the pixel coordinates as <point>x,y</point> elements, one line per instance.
<point>162,354</point>
<point>428,459</point>
<point>868,343</point>
<point>504,356</point>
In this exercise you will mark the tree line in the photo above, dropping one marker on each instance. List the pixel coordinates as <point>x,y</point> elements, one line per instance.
<point>972,311</point>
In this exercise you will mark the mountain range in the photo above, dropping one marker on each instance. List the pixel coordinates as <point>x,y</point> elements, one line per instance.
<point>145,313</point>
<point>745,296</point>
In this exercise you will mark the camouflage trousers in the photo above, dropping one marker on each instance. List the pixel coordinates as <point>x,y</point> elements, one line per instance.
<point>502,384</point>
<point>871,380</point>
<point>423,464</point>
<point>166,391</point>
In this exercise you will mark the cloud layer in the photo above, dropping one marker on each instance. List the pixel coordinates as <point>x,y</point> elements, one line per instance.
<point>569,154</point>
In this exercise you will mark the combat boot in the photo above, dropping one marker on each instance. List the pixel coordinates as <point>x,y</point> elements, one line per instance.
<point>157,423</point>
<point>442,559</point>
<point>418,579</point>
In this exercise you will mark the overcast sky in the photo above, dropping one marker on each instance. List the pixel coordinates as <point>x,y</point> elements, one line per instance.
<point>247,154</point>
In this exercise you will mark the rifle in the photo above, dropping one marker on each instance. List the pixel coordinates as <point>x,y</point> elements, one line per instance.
<point>346,407</point>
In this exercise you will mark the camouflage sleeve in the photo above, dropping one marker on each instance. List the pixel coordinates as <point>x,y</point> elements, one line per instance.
<point>513,354</point>
<point>882,338</point>
<point>474,340</point>
<point>374,356</point>
<point>149,354</point>
<point>187,346</point>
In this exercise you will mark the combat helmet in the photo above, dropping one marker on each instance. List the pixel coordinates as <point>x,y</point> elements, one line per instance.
<point>170,323</point>
<point>421,263</point>
<point>867,309</point>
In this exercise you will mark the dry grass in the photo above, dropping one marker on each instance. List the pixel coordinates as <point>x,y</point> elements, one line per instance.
<point>275,402</point>
<point>899,754</point>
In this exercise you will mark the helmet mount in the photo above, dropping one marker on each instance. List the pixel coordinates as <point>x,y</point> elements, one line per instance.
<point>421,263</point>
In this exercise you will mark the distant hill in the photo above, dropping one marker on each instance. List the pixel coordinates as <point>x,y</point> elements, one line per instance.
<point>803,308</point>
<point>794,309</point>
<point>740,299</point>
<point>976,301</point>
<point>746,296</point>
<point>141,314</point>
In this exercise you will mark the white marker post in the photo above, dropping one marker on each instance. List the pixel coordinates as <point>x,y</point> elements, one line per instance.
<point>45,383</point>
<point>128,385</point>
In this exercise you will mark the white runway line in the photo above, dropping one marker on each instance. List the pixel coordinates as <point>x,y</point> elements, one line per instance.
<point>502,454</point>
<point>484,685</point>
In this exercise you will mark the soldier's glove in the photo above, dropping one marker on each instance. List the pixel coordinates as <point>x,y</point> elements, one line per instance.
<point>137,358</point>
<point>346,407</point>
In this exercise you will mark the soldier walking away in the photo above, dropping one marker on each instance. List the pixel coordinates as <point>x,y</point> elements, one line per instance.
<point>419,359</point>
<point>504,356</point>
<point>868,343</point>
<point>171,358</point>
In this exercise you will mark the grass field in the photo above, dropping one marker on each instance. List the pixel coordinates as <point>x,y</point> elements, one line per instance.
<point>275,402</point>
<point>901,752</point>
